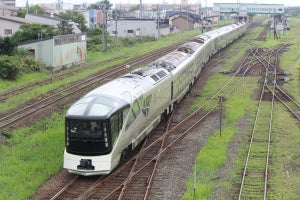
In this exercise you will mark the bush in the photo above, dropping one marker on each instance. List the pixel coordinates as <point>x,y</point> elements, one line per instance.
<point>9,68</point>
<point>12,66</point>
<point>28,65</point>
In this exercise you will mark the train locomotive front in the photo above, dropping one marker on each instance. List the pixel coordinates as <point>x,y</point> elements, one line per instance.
<point>91,127</point>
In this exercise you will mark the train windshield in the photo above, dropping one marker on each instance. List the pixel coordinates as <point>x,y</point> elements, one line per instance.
<point>87,137</point>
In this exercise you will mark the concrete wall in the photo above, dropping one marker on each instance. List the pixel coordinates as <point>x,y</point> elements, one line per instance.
<point>61,51</point>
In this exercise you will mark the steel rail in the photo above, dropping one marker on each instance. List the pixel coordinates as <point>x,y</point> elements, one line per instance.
<point>60,192</point>
<point>265,85</point>
<point>285,104</point>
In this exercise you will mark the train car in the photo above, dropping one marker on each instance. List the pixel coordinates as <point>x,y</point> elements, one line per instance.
<point>117,116</point>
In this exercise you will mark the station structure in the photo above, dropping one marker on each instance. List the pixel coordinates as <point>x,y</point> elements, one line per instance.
<point>245,12</point>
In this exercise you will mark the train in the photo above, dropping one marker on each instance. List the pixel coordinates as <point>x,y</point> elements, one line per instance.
<point>115,117</point>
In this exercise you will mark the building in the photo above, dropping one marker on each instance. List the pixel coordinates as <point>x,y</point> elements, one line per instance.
<point>133,27</point>
<point>11,24</point>
<point>54,21</point>
<point>211,20</point>
<point>8,11</point>
<point>95,18</point>
<point>183,20</point>
<point>249,9</point>
<point>7,3</point>
<point>59,51</point>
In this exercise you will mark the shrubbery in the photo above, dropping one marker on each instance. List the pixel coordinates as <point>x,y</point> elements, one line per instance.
<point>9,68</point>
<point>13,66</point>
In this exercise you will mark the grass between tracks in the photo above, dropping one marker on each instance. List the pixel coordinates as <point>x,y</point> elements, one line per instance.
<point>214,183</point>
<point>33,154</point>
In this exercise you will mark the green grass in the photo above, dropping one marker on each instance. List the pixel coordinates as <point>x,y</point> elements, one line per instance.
<point>31,156</point>
<point>26,78</point>
<point>285,133</point>
<point>284,179</point>
<point>213,155</point>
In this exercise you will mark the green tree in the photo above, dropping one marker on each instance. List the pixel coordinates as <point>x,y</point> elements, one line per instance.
<point>64,28</point>
<point>101,5</point>
<point>7,46</point>
<point>36,9</point>
<point>33,31</point>
<point>75,17</point>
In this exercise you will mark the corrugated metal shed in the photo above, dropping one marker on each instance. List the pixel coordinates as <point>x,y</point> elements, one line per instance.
<point>59,51</point>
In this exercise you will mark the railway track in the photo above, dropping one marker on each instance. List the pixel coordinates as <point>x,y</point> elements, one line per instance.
<point>133,179</point>
<point>254,182</point>
<point>291,105</point>
<point>55,77</point>
<point>79,87</point>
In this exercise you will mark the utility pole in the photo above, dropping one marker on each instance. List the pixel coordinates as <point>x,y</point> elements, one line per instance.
<point>158,21</point>
<point>116,28</point>
<point>104,46</point>
<point>27,7</point>
<point>141,9</point>
<point>104,9</point>
<point>221,100</point>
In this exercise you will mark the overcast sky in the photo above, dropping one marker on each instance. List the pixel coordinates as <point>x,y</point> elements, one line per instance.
<point>22,3</point>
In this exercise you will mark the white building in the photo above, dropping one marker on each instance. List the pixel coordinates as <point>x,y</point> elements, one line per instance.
<point>133,27</point>
<point>10,24</point>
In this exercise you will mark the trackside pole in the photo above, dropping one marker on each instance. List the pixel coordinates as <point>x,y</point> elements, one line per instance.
<point>221,100</point>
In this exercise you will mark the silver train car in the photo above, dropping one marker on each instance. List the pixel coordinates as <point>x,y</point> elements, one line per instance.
<point>118,115</point>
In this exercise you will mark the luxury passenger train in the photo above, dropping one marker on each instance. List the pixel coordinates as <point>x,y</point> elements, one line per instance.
<point>118,115</point>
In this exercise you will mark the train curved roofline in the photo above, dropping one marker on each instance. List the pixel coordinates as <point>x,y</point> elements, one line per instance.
<point>121,104</point>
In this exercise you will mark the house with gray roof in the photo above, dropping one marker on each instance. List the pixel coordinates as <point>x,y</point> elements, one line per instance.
<point>54,21</point>
<point>11,24</point>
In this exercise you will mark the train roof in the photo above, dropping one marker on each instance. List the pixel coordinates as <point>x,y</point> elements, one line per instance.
<point>214,33</point>
<point>114,95</point>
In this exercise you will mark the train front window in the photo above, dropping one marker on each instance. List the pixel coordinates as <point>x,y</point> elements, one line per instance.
<point>101,106</point>
<point>87,137</point>
<point>93,106</point>
<point>79,107</point>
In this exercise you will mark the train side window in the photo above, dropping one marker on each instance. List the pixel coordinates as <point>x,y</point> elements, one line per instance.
<point>135,111</point>
<point>114,127</point>
<point>136,108</point>
<point>125,113</point>
<point>131,118</point>
<point>146,106</point>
